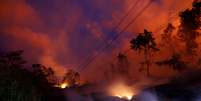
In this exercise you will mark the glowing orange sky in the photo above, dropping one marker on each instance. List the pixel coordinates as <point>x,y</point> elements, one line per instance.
<point>61,34</point>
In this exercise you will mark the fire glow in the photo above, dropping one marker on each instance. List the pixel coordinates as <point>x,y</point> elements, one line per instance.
<point>122,91</point>
<point>62,85</point>
<point>125,96</point>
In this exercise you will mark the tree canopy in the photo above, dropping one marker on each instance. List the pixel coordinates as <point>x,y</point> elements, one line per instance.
<point>144,41</point>
<point>21,84</point>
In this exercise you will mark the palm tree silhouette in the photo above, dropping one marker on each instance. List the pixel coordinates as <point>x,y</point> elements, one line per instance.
<point>146,43</point>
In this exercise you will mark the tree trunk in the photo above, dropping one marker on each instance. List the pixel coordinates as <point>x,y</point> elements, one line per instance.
<point>147,60</point>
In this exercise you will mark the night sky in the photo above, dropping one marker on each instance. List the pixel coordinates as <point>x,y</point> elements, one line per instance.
<point>63,33</point>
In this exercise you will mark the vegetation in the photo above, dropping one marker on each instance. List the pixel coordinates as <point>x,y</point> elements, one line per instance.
<point>123,64</point>
<point>174,62</point>
<point>21,84</point>
<point>166,37</point>
<point>146,43</point>
<point>188,32</point>
<point>190,24</point>
<point>72,78</point>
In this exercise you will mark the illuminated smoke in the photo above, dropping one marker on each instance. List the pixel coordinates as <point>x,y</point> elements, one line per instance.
<point>63,33</point>
<point>190,23</point>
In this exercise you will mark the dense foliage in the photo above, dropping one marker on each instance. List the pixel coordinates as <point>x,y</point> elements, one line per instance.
<point>21,84</point>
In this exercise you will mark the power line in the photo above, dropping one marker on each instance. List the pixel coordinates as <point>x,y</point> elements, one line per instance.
<point>115,28</point>
<point>162,26</point>
<point>127,14</point>
<point>133,20</point>
<point>117,36</point>
<point>172,17</point>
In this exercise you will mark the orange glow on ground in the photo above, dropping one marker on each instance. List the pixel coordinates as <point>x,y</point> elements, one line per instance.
<point>122,91</point>
<point>63,85</point>
<point>125,96</point>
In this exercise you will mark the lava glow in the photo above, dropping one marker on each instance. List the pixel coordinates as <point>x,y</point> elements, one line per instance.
<point>64,85</point>
<point>122,91</point>
<point>125,96</point>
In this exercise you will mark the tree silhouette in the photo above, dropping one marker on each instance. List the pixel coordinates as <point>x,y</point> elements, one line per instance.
<point>166,37</point>
<point>15,81</point>
<point>174,62</point>
<point>119,68</point>
<point>12,59</point>
<point>21,83</point>
<point>71,77</point>
<point>146,43</point>
<point>42,71</point>
<point>190,24</point>
<point>122,64</point>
